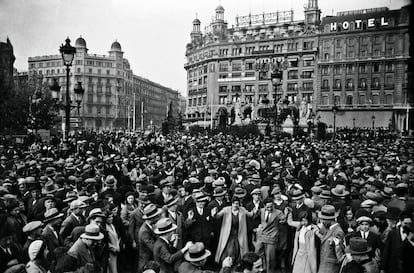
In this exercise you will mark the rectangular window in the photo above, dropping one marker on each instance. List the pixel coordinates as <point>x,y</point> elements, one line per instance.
<point>249,66</point>
<point>349,68</point>
<point>235,88</point>
<point>249,88</point>
<point>307,75</point>
<point>325,85</point>
<point>307,86</point>
<point>223,89</point>
<point>292,75</point>
<point>337,69</point>
<point>293,86</point>
<point>376,67</point>
<point>325,100</point>
<point>223,67</point>
<point>362,68</point>
<point>325,70</point>
<point>263,88</point>
<point>222,99</point>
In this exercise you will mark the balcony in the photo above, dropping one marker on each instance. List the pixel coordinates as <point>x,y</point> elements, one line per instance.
<point>375,87</point>
<point>362,88</point>
<point>325,88</point>
<point>349,88</point>
<point>337,88</point>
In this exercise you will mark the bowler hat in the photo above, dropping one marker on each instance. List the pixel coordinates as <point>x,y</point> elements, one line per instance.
<point>327,213</point>
<point>92,232</point>
<point>50,188</point>
<point>393,213</point>
<point>164,226</point>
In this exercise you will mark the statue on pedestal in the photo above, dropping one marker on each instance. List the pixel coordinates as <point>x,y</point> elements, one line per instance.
<point>304,113</point>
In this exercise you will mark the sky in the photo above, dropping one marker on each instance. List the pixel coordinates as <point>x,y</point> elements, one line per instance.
<point>152,33</point>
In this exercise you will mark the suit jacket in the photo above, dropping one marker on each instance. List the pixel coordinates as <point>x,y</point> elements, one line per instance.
<point>81,253</point>
<point>373,241</point>
<point>69,224</point>
<point>254,222</point>
<point>329,262</point>
<point>146,240</point>
<point>50,239</point>
<point>135,222</point>
<point>199,228</point>
<point>166,256</point>
<point>179,221</point>
<point>268,231</point>
<point>390,258</point>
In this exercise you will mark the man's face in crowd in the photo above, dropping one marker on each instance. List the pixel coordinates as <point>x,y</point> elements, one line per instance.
<point>97,221</point>
<point>256,197</point>
<point>269,207</point>
<point>327,223</point>
<point>364,226</point>
<point>181,192</point>
<point>166,189</point>
<point>35,193</point>
<point>49,203</point>
<point>173,208</point>
<point>200,204</point>
<point>405,222</point>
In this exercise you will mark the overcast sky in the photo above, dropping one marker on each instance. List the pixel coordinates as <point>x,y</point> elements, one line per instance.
<point>153,33</point>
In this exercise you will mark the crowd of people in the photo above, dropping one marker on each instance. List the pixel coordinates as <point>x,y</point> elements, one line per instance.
<point>180,203</point>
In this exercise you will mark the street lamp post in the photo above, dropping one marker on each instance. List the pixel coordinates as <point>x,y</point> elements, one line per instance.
<point>334,111</point>
<point>373,122</point>
<point>68,53</point>
<point>353,122</point>
<point>276,81</point>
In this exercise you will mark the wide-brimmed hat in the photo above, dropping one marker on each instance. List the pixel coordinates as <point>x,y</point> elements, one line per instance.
<point>96,212</point>
<point>164,226</point>
<point>327,213</point>
<point>297,194</point>
<point>92,232</point>
<point>363,219</point>
<point>200,197</point>
<point>339,191</point>
<point>196,253</point>
<point>325,194</point>
<point>52,214</point>
<point>219,182</point>
<point>76,204</point>
<point>393,213</point>
<point>387,192</point>
<point>165,183</point>
<point>110,181</point>
<point>256,191</point>
<point>170,201</point>
<point>358,246</point>
<point>32,226</point>
<point>151,211</point>
<point>50,188</point>
<point>368,203</point>
<point>239,192</point>
<point>70,196</point>
<point>219,191</point>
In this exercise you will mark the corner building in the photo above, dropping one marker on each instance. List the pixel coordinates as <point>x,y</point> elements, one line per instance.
<point>114,97</point>
<point>320,62</point>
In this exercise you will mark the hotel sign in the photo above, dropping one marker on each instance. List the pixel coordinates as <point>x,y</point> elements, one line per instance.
<point>358,23</point>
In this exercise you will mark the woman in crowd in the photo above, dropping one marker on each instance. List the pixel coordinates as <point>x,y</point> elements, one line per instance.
<point>38,255</point>
<point>304,258</point>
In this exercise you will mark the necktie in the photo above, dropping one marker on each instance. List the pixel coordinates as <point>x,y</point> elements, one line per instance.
<point>267,217</point>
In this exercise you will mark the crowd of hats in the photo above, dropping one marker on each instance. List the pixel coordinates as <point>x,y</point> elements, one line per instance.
<point>210,167</point>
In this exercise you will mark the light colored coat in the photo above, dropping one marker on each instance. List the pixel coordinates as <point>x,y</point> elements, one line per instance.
<point>226,227</point>
<point>329,263</point>
<point>310,264</point>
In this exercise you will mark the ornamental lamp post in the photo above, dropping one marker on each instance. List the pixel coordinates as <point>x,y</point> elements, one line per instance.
<point>68,53</point>
<point>334,111</point>
<point>373,122</point>
<point>276,80</point>
<point>353,122</point>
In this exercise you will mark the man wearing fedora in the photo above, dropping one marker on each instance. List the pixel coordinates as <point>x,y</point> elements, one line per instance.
<point>83,249</point>
<point>364,223</point>
<point>391,256</point>
<point>360,261</point>
<point>165,186</point>
<point>328,230</point>
<point>50,234</point>
<point>218,203</point>
<point>73,220</point>
<point>146,235</point>
<point>196,258</point>
<point>165,248</point>
<point>170,211</point>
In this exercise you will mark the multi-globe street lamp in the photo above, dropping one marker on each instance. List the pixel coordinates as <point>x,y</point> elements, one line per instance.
<point>68,53</point>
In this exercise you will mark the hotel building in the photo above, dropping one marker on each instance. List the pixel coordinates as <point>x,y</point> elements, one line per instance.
<point>356,60</point>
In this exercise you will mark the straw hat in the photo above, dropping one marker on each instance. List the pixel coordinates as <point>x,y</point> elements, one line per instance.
<point>327,213</point>
<point>52,214</point>
<point>151,211</point>
<point>92,232</point>
<point>164,226</point>
<point>196,253</point>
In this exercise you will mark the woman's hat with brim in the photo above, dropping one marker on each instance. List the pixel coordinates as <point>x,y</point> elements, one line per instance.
<point>327,213</point>
<point>164,226</point>
<point>358,246</point>
<point>92,232</point>
<point>196,253</point>
<point>151,211</point>
<point>239,192</point>
<point>52,214</point>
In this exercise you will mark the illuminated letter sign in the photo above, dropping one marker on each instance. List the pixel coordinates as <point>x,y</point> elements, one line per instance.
<point>333,26</point>
<point>345,25</point>
<point>383,22</point>
<point>371,22</point>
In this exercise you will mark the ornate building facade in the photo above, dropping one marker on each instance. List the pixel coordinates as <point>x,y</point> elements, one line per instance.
<point>319,60</point>
<point>113,96</point>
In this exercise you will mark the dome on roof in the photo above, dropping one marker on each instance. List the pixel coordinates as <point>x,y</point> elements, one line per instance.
<point>220,8</point>
<point>80,42</point>
<point>196,22</point>
<point>116,46</point>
